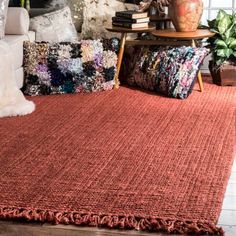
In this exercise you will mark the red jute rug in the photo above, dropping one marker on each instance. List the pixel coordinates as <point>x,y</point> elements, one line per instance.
<point>120,159</point>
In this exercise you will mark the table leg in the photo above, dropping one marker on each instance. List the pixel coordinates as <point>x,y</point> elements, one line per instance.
<point>120,57</point>
<point>199,77</point>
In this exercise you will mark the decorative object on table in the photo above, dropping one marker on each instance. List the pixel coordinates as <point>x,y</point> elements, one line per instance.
<point>186,14</point>
<point>97,16</point>
<point>223,46</point>
<point>157,5</point>
<point>54,27</point>
<point>62,68</point>
<point>3,15</point>
<point>131,19</point>
<point>161,22</point>
<point>171,71</point>
<point>157,12</point>
<point>12,101</point>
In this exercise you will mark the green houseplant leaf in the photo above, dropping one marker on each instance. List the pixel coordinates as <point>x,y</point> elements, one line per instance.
<point>223,44</point>
<point>228,41</point>
<point>224,23</point>
<point>213,25</point>
<point>224,52</point>
<point>232,44</point>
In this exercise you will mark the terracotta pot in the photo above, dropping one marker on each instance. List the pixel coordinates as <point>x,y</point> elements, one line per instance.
<point>186,14</point>
<point>225,75</point>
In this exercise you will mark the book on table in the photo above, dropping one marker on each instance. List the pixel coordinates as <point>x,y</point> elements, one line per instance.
<point>131,14</point>
<point>129,20</point>
<point>131,25</point>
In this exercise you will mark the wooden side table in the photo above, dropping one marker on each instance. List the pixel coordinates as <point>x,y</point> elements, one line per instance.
<point>124,32</point>
<point>184,38</point>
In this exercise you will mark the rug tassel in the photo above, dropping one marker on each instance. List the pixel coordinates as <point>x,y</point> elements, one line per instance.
<point>171,226</point>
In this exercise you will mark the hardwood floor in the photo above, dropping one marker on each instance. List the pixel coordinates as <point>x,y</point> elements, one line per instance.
<point>227,221</point>
<point>228,215</point>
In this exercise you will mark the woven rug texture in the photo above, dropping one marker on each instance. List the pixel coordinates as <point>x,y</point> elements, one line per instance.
<point>123,159</point>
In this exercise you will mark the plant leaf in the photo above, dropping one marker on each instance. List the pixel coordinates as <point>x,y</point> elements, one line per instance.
<point>224,52</point>
<point>232,44</point>
<point>229,40</point>
<point>215,31</point>
<point>221,44</point>
<point>224,21</point>
<point>221,14</point>
<point>220,61</point>
<point>230,32</point>
<point>212,24</point>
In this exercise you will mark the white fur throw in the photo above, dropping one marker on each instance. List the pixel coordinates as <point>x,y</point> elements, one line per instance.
<point>97,15</point>
<point>12,101</point>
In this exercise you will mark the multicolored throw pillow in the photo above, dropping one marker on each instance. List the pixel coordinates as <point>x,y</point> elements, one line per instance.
<point>60,68</point>
<point>169,70</point>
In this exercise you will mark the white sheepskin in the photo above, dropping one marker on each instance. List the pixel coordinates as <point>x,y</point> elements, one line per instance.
<point>12,101</point>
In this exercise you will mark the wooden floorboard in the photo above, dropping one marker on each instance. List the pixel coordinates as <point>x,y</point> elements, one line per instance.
<point>230,230</point>
<point>16,229</point>
<point>231,190</point>
<point>229,203</point>
<point>228,217</point>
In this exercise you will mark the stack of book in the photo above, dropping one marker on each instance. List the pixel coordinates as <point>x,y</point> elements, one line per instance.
<point>131,19</point>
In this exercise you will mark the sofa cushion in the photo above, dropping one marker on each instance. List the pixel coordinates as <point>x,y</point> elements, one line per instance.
<point>16,44</point>
<point>3,15</point>
<point>50,6</point>
<point>54,27</point>
<point>17,22</point>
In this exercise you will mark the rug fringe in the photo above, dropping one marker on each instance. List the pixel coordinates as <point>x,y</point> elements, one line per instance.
<point>170,226</point>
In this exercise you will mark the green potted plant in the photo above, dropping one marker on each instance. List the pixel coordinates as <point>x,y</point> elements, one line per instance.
<point>223,47</point>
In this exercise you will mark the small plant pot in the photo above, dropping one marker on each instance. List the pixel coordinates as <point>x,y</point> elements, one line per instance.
<point>225,75</point>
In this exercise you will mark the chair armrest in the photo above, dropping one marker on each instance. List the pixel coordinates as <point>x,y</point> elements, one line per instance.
<point>17,22</point>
